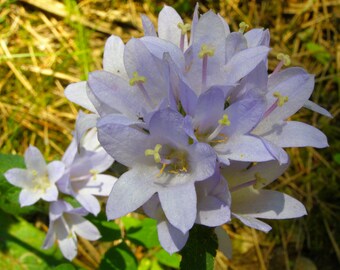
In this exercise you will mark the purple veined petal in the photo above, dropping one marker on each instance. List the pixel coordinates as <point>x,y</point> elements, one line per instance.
<point>152,208</point>
<point>84,122</point>
<point>57,209</point>
<point>83,227</point>
<point>100,185</point>
<point>244,148</point>
<point>296,84</point>
<point>277,152</point>
<point>50,237</point>
<point>212,212</point>
<point>76,92</point>
<point>269,170</point>
<point>244,62</point>
<point>189,127</point>
<point>115,140</point>
<point>226,26</point>
<point>34,160</point>
<point>158,47</point>
<point>244,114</point>
<point>100,161</point>
<point>19,177</point>
<point>194,22</point>
<point>90,140</point>
<point>89,202</point>
<point>253,222</point>
<point>101,107</point>
<point>171,239</point>
<point>70,153</point>
<point>316,108</point>
<point>203,120</point>
<point>202,161</point>
<point>224,242</point>
<point>80,211</point>
<point>113,58</point>
<point>179,205</point>
<point>187,97</point>
<point>28,197</point>
<point>255,81</point>
<point>254,37</point>
<point>295,134</point>
<point>130,192</point>
<point>267,204</point>
<point>51,194</point>
<point>235,42</point>
<point>138,58</point>
<point>148,27</point>
<point>168,20</point>
<point>68,247</point>
<point>116,93</point>
<point>209,31</point>
<point>55,170</point>
<point>168,124</point>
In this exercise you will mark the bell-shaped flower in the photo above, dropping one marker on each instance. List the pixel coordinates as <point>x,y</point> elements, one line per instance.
<point>162,161</point>
<point>83,178</point>
<point>250,201</point>
<point>65,224</point>
<point>38,180</point>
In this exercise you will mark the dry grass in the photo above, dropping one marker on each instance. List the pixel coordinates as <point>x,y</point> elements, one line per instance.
<point>47,44</point>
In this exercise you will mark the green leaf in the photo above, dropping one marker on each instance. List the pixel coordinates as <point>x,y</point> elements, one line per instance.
<point>144,234</point>
<point>65,266</point>
<point>200,250</point>
<point>21,246</point>
<point>319,52</point>
<point>9,194</point>
<point>167,259</point>
<point>336,158</point>
<point>119,257</point>
<point>109,230</point>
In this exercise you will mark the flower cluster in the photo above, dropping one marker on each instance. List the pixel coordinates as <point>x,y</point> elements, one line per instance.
<point>199,123</point>
<point>79,175</point>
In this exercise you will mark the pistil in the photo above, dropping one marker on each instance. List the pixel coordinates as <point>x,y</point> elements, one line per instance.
<point>279,102</point>
<point>284,61</point>
<point>224,121</point>
<point>185,28</point>
<point>139,81</point>
<point>204,53</point>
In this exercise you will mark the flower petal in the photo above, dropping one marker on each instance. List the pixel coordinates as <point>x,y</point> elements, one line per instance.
<point>224,242</point>
<point>266,204</point>
<point>28,197</point>
<point>84,228</point>
<point>148,27</point>
<point>130,192</point>
<point>171,239</point>
<point>168,20</point>
<point>51,194</point>
<point>55,170</point>
<point>34,160</point>
<point>77,93</point>
<point>253,222</point>
<point>179,205</point>
<point>19,177</point>
<point>212,212</point>
<point>295,134</point>
<point>113,58</point>
<point>316,108</point>
<point>89,202</point>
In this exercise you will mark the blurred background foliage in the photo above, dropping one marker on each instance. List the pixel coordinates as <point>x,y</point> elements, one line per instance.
<point>47,44</point>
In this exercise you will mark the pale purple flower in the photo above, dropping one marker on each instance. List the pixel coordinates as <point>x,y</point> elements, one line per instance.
<point>250,201</point>
<point>65,224</point>
<point>161,162</point>
<point>83,179</point>
<point>38,180</point>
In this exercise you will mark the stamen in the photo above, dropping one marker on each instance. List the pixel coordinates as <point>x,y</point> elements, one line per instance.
<point>281,99</point>
<point>224,121</point>
<point>260,181</point>
<point>34,172</point>
<point>284,61</point>
<point>154,153</point>
<point>137,79</point>
<point>243,27</point>
<point>203,54</point>
<point>184,29</point>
